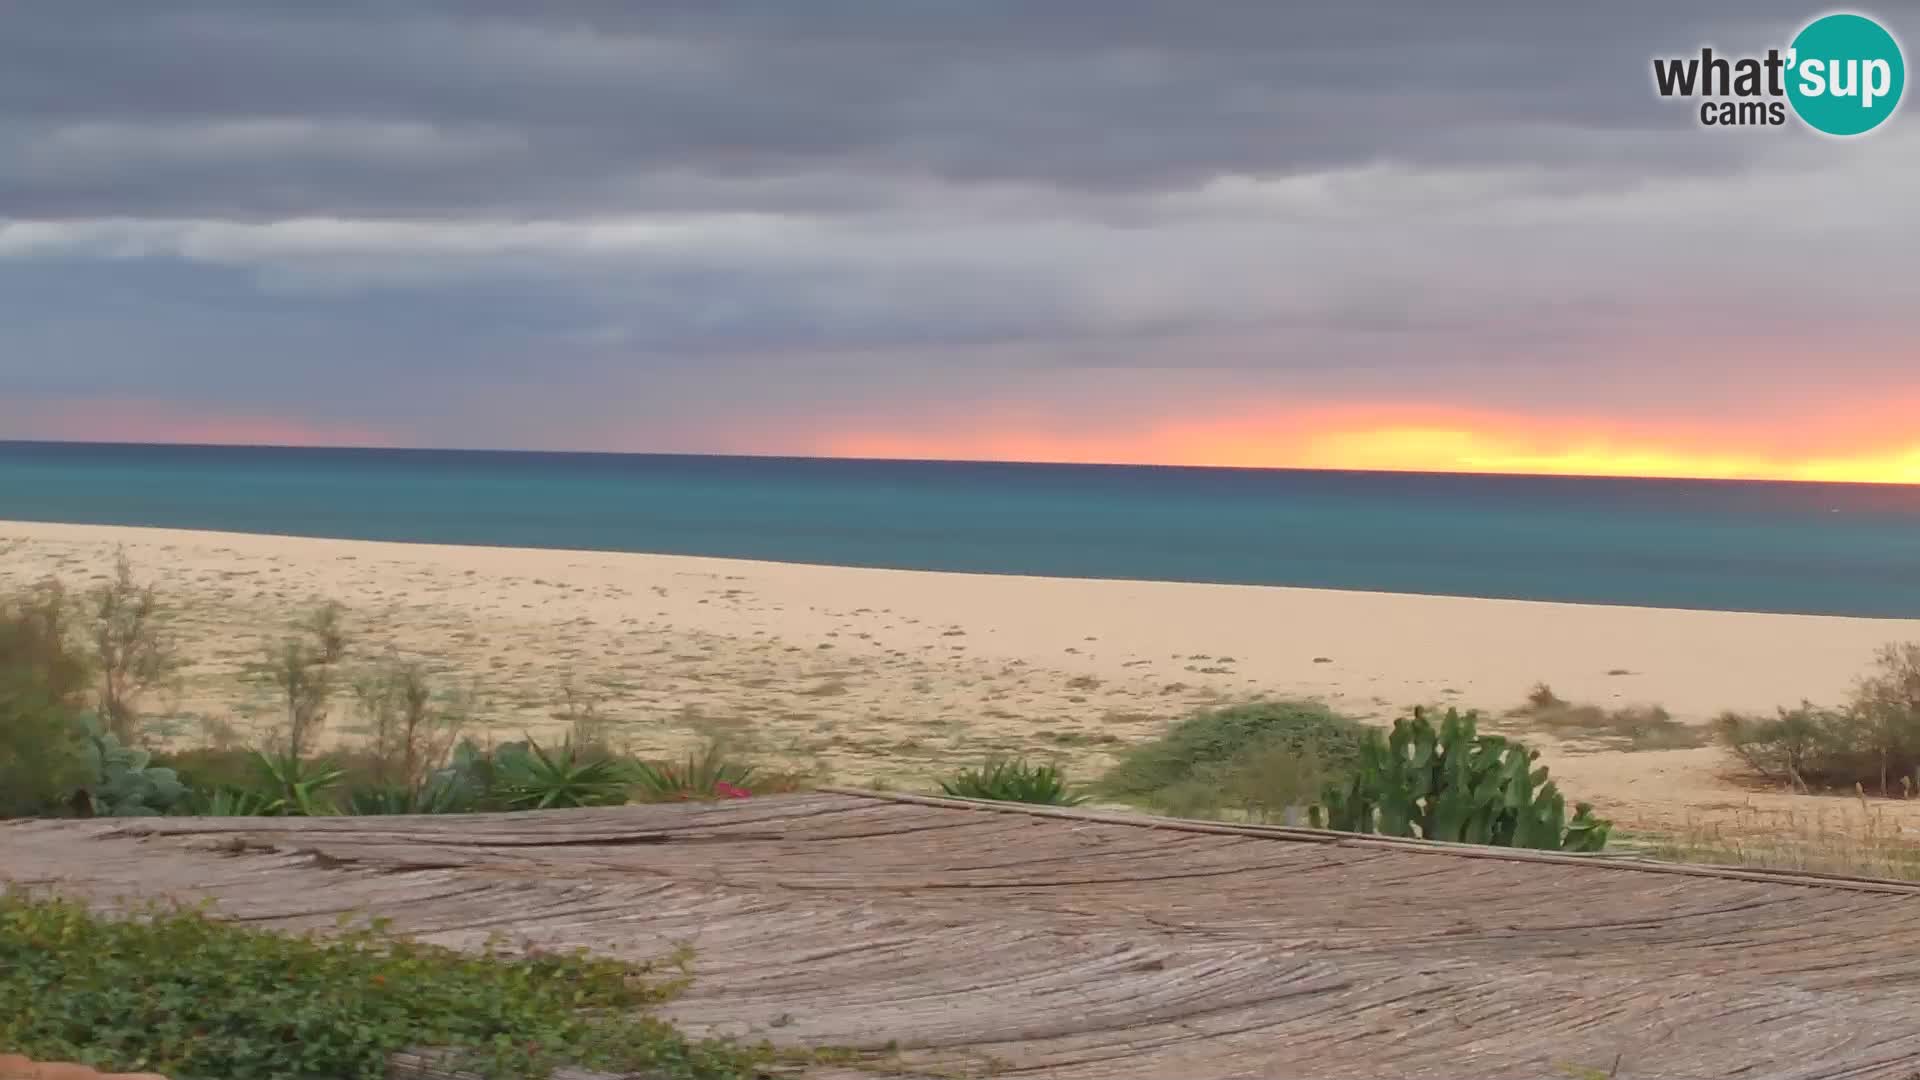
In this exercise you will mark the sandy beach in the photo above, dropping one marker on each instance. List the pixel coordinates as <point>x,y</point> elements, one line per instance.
<point>882,676</point>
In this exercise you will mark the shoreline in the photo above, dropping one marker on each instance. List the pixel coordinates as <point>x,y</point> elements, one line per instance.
<point>781,564</point>
<point>775,564</point>
<point>898,674</point>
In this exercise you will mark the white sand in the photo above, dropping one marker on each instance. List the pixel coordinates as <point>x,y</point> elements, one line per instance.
<point>882,674</point>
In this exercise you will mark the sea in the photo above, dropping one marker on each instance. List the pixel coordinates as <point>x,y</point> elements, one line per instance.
<point>1833,549</point>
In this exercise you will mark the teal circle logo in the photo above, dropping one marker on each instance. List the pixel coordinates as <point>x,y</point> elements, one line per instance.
<point>1845,74</point>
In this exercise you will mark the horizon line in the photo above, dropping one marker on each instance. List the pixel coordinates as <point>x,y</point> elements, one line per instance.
<point>962,461</point>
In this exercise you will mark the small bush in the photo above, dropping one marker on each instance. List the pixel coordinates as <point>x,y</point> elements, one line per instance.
<point>43,683</point>
<point>209,767</point>
<point>1636,727</point>
<point>184,995</point>
<point>587,728</point>
<point>1542,697</point>
<point>1272,781</point>
<point>1005,780</point>
<point>43,762</point>
<point>1781,749</point>
<point>304,669</point>
<point>1258,760</point>
<point>1872,743</point>
<point>132,652</point>
<point>411,727</point>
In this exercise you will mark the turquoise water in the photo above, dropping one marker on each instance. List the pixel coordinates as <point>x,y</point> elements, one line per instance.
<point>1814,548</point>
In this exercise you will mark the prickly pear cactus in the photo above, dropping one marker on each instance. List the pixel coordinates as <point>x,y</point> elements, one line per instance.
<point>1453,783</point>
<point>125,785</point>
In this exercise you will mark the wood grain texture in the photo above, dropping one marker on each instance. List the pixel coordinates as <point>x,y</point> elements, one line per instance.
<point>1076,945</point>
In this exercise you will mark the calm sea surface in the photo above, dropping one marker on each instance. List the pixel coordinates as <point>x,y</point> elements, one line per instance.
<point>1815,548</point>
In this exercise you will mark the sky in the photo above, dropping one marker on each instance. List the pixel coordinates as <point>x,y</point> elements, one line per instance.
<point>1463,237</point>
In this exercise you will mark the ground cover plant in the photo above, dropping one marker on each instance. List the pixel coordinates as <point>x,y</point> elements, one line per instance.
<point>175,992</point>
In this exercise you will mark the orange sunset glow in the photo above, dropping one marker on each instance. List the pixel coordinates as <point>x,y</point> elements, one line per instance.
<point>1872,449</point>
<point>1410,442</point>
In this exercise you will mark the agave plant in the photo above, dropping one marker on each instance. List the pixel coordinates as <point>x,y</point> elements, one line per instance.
<point>531,778</point>
<point>1002,780</point>
<point>706,774</point>
<point>292,786</point>
<point>443,793</point>
<point>230,802</point>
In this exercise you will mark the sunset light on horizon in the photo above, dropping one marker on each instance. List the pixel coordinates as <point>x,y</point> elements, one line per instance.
<point>1385,439</point>
<point>1463,444</point>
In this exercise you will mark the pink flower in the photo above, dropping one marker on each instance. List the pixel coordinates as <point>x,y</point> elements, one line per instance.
<point>728,791</point>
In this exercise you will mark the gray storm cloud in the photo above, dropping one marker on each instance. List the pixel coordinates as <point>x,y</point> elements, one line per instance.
<point>239,203</point>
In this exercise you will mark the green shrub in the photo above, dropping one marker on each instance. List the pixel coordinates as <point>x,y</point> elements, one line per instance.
<point>1003,780</point>
<point>1872,742</point>
<point>304,669</point>
<point>1257,760</point>
<point>411,725</point>
<point>43,761</point>
<point>43,683</point>
<point>471,769</point>
<point>132,651</point>
<point>1457,785</point>
<point>1886,708</point>
<point>1271,780</point>
<point>1783,748</point>
<point>184,995</point>
<point>204,768</point>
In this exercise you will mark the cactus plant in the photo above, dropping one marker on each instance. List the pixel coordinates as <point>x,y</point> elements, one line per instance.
<point>124,784</point>
<point>1455,784</point>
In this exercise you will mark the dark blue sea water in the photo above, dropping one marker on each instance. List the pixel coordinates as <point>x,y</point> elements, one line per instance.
<point>1814,548</point>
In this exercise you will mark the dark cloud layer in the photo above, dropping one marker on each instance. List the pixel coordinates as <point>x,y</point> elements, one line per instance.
<point>696,211</point>
<point>263,110</point>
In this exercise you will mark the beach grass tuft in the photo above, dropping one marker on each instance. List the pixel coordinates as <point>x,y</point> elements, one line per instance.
<point>1633,727</point>
<point>1844,836</point>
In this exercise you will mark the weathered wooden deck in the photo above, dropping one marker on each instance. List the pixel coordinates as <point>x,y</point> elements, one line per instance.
<point>1096,947</point>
